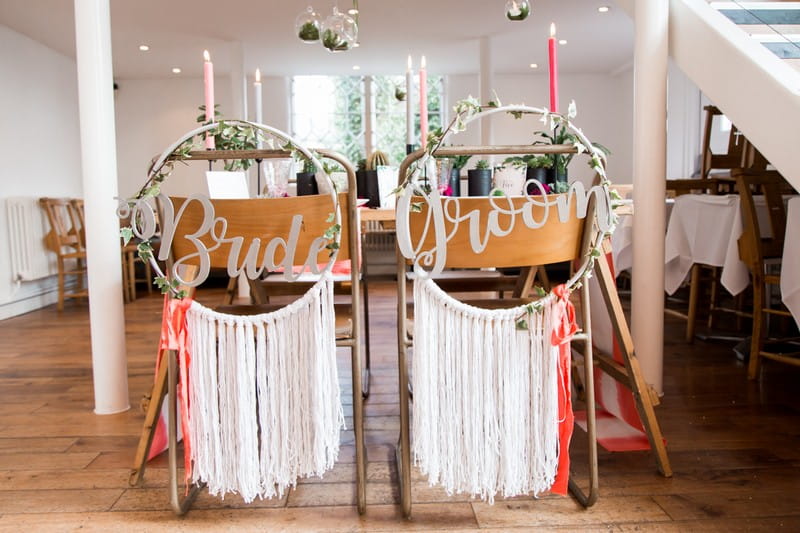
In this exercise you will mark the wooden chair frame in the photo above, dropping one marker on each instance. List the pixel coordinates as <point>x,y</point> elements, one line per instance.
<point>754,249</point>
<point>167,376</point>
<point>60,212</point>
<point>628,373</point>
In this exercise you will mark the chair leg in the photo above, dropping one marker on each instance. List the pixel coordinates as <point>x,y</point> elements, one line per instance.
<point>131,276</point>
<point>61,287</point>
<point>148,276</point>
<point>694,289</point>
<point>358,430</point>
<point>180,507</point>
<point>758,327</point>
<point>712,308</point>
<point>367,360</point>
<point>403,450</point>
<point>588,499</point>
<point>150,423</point>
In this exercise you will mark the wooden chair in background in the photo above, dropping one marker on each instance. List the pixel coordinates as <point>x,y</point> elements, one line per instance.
<point>65,239</point>
<point>728,160</point>
<point>130,258</point>
<point>760,252</point>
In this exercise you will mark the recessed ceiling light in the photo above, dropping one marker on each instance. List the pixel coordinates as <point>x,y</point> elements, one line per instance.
<point>534,65</point>
<point>603,9</point>
<point>356,67</point>
<point>144,47</point>
<point>562,41</point>
<point>176,70</point>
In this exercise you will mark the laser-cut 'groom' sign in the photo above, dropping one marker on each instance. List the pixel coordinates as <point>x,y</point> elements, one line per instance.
<point>488,226</point>
<point>485,231</point>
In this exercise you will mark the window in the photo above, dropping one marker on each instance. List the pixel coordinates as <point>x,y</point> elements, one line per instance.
<point>330,112</point>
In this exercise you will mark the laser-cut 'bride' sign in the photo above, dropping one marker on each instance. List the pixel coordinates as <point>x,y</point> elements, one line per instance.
<point>243,257</point>
<point>503,212</point>
<point>279,252</point>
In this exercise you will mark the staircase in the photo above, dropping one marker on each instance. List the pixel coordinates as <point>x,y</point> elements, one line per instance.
<point>776,25</point>
<point>745,57</point>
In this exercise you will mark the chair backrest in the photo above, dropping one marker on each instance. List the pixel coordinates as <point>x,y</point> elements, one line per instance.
<point>753,246</point>
<point>65,223</point>
<point>553,242</point>
<point>728,160</point>
<point>263,219</point>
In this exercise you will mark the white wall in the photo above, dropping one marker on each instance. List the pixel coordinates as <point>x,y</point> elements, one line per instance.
<point>39,146</point>
<point>604,114</point>
<point>152,114</point>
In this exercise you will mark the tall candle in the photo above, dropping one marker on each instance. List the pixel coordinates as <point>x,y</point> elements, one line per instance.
<point>423,104</point>
<point>208,83</point>
<point>409,107</point>
<point>551,49</point>
<point>259,111</point>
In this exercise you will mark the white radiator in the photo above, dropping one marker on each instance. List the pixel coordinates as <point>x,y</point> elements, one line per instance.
<point>27,226</point>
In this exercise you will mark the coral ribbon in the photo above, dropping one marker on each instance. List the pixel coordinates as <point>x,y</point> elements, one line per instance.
<point>174,336</point>
<point>564,327</point>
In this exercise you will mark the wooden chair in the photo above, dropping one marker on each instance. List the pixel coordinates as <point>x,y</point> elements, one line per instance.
<point>129,259</point>
<point>554,242</point>
<point>65,239</point>
<point>265,219</point>
<point>757,251</point>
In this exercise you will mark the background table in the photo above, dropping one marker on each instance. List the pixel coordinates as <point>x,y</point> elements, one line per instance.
<point>790,266</point>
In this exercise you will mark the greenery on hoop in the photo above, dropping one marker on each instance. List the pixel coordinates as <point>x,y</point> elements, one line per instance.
<point>232,135</point>
<point>470,107</point>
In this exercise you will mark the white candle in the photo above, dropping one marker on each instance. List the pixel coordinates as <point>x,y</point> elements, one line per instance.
<point>423,104</point>
<point>208,84</point>
<point>259,112</point>
<point>409,104</point>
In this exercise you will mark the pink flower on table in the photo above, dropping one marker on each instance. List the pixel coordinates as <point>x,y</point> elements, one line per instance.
<point>446,191</point>
<point>534,190</point>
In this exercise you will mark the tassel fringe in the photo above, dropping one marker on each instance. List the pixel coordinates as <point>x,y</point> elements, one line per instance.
<point>265,407</point>
<point>485,396</point>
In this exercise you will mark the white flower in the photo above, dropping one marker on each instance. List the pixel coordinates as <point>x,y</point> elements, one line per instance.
<point>544,116</point>
<point>572,110</point>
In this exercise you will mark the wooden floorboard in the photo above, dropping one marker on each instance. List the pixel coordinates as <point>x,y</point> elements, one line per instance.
<point>734,447</point>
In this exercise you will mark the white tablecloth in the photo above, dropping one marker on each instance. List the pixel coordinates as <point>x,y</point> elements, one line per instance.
<point>790,266</point>
<point>705,229</point>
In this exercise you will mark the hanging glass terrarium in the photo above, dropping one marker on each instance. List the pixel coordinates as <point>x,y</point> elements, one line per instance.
<point>518,9</point>
<point>306,25</point>
<point>338,32</point>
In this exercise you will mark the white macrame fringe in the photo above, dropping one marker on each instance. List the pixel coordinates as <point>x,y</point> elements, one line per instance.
<point>485,396</point>
<point>264,396</point>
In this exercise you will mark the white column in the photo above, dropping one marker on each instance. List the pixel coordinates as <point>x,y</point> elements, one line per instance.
<point>99,160</point>
<point>649,175</point>
<point>485,86</point>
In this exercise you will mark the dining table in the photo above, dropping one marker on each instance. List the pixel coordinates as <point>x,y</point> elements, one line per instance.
<point>790,264</point>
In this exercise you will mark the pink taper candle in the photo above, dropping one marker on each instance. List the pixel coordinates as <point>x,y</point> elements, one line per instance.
<point>551,50</point>
<point>423,104</point>
<point>208,83</point>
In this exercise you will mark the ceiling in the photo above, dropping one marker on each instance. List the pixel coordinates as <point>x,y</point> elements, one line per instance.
<point>262,34</point>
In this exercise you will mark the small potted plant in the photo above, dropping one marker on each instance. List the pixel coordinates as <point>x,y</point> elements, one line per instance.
<point>367,177</point>
<point>479,179</point>
<point>537,167</point>
<point>306,180</point>
<point>459,162</point>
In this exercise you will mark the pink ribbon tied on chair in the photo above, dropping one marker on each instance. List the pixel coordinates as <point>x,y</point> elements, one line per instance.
<point>564,328</point>
<point>564,324</point>
<point>174,336</point>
